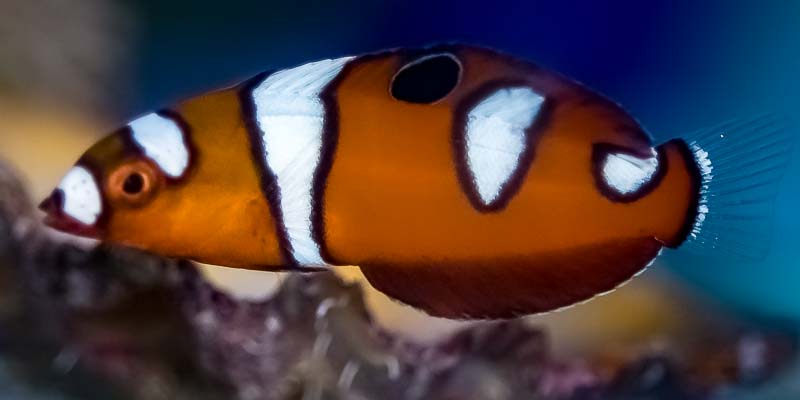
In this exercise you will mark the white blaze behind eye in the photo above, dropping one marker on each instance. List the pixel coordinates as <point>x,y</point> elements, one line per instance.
<point>162,141</point>
<point>495,137</point>
<point>626,174</point>
<point>81,196</point>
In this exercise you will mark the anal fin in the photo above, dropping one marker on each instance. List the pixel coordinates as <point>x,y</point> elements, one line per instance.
<point>507,288</point>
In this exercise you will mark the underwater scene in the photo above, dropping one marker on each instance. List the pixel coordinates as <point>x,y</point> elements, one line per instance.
<point>399,200</point>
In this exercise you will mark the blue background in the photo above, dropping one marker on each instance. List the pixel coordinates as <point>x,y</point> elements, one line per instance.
<point>676,66</point>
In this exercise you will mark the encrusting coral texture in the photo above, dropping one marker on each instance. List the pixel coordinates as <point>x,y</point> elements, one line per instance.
<point>110,323</point>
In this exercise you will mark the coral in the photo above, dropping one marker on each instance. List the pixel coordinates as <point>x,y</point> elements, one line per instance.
<point>113,323</point>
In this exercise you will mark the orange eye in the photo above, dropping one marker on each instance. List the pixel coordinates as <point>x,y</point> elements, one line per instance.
<point>132,183</point>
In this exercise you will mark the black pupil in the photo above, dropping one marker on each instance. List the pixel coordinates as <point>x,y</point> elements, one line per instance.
<point>133,184</point>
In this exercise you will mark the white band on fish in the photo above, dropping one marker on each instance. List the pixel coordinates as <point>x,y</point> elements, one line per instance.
<point>162,140</point>
<point>81,196</point>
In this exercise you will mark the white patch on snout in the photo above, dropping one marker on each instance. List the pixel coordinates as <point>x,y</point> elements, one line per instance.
<point>161,140</point>
<point>81,196</point>
<point>290,115</point>
<point>626,174</point>
<point>496,137</point>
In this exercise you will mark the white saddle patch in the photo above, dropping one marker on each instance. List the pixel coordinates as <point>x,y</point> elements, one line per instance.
<point>496,137</point>
<point>81,196</point>
<point>626,174</point>
<point>162,141</point>
<point>290,116</point>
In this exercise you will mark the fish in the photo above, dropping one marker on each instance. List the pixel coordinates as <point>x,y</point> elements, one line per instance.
<point>463,181</point>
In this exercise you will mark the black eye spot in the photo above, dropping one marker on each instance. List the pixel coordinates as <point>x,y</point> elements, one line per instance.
<point>427,79</point>
<point>133,184</point>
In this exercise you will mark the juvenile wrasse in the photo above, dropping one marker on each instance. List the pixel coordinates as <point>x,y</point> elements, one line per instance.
<point>462,181</point>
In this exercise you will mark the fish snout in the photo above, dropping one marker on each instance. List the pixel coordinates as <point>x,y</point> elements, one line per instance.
<point>57,218</point>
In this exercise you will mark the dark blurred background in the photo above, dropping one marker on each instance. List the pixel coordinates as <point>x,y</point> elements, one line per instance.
<point>70,71</point>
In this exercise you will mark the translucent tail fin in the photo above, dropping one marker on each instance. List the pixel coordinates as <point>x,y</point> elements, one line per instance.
<point>741,163</point>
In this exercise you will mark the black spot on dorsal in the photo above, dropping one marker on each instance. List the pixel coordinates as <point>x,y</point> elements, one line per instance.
<point>426,79</point>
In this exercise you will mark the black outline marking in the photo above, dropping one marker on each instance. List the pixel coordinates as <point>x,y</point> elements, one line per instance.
<point>327,152</point>
<point>599,153</point>
<point>129,146</point>
<point>533,133</point>
<point>268,180</point>
<point>696,177</point>
<point>186,132</point>
<point>55,200</point>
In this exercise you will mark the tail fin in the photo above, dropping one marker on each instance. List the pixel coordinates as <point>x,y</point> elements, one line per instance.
<point>741,163</point>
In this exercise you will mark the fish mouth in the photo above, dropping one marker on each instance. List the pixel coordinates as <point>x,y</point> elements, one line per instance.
<point>56,218</point>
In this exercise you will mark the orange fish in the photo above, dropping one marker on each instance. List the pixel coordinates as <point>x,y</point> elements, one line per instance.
<point>462,181</point>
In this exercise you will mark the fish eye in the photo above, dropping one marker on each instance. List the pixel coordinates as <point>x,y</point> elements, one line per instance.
<point>134,183</point>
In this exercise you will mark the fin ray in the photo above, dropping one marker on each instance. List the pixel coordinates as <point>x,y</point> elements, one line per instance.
<point>741,164</point>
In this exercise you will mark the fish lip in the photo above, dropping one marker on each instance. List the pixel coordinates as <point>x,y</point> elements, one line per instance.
<point>58,220</point>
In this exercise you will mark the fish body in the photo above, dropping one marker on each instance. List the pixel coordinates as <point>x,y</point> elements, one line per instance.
<point>462,181</point>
